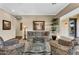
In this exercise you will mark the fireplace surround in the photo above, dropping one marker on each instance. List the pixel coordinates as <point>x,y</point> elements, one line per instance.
<point>39,42</point>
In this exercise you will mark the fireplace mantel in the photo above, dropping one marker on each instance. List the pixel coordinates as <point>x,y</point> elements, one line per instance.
<point>32,34</point>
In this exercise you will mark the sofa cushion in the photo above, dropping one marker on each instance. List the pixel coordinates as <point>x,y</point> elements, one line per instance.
<point>54,43</point>
<point>11,42</point>
<point>65,41</point>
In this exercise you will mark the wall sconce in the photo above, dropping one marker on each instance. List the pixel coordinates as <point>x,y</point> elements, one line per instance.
<point>65,23</point>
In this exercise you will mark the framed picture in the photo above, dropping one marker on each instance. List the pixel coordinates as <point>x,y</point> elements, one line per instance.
<point>21,26</point>
<point>38,25</point>
<point>6,25</point>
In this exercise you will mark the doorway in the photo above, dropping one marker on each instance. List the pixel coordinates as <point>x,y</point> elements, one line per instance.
<point>73,27</point>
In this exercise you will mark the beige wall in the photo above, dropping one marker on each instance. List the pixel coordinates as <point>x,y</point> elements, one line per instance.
<point>28,22</point>
<point>7,34</point>
<point>64,30</point>
<point>64,27</point>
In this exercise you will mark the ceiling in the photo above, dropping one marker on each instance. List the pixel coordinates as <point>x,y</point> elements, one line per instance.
<point>33,8</point>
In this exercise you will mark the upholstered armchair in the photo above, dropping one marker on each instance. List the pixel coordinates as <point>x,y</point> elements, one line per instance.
<point>62,46</point>
<point>11,47</point>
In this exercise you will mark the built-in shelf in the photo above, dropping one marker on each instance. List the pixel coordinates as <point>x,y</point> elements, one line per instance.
<point>55,25</point>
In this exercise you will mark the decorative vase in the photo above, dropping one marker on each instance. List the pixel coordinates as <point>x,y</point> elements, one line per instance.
<point>53,37</point>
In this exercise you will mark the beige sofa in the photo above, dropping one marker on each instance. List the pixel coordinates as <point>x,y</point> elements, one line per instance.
<point>62,46</point>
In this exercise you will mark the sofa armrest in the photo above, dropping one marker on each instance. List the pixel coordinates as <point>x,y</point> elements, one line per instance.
<point>11,42</point>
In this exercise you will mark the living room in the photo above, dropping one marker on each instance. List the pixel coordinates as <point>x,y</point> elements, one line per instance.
<point>31,23</point>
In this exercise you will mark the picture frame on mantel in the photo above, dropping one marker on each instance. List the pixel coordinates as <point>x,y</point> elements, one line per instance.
<point>6,25</point>
<point>38,25</point>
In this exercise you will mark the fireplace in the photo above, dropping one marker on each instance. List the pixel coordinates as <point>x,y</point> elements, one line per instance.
<point>39,42</point>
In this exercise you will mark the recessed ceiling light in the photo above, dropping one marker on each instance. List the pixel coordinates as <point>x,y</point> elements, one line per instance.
<point>53,3</point>
<point>13,10</point>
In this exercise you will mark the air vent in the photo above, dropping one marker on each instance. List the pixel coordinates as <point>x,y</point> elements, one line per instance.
<point>18,17</point>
